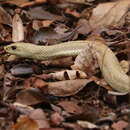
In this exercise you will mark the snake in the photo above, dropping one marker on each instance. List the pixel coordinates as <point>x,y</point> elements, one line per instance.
<point>108,63</point>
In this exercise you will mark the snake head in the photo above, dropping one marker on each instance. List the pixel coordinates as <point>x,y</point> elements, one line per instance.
<point>19,49</point>
<point>15,49</point>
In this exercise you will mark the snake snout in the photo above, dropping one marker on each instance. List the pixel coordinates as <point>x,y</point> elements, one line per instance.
<point>5,48</point>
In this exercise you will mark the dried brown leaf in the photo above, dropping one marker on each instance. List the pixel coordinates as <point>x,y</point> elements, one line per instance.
<point>5,18</point>
<point>71,107</point>
<point>68,87</point>
<point>68,75</point>
<point>72,12</point>
<point>120,125</point>
<point>37,24</point>
<point>21,70</point>
<point>25,123</point>
<point>2,71</point>
<point>86,61</point>
<point>23,3</point>
<point>40,117</point>
<point>80,1</point>
<point>62,62</point>
<point>18,29</point>
<point>109,14</point>
<point>16,2</point>
<point>56,119</point>
<point>30,96</point>
<point>84,27</point>
<point>86,124</point>
<point>41,14</point>
<point>36,82</point>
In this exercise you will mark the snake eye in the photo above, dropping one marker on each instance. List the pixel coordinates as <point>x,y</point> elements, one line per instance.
<point>13,47</point>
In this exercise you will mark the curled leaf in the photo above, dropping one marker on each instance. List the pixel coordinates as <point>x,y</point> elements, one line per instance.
<point>68,75</point>
<point>86,61</point>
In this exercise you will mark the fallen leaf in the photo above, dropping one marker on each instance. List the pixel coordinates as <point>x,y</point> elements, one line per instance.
<point>72,12</point>
<point>86,61</point>
<point>53,129</point>
<point>5,33</point>
<point>24,109</point>
<point>62,62</point>
<point>5,17</point>
<point>105,14</point>
<point>36,82</point>
<point>30,96</point>
<point>56,119</point>
<point>41,14</point>
<point>71,126</point>
<point>120,125</point>
<point>37,24</point>
<point>68,87</point>
<point>70,107</point>
<point>23,3</point>
<point>86,124</point>
<point>18,29</point>
<point>25,123</point>
<point>2,71</point>
<point>21,70</point>
<point>53,1</point>
<point>39,116</point>
<point>50,36</point>
<point>39,83</point>
<point>12,58</point>
<point>80,1</point>
<point>84,27</point>
<point>68,75</point>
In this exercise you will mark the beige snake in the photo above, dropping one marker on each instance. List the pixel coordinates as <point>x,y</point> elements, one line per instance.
<point>109,65</point>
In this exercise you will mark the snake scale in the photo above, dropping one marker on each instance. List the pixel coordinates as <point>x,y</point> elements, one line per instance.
<point>108,63</point>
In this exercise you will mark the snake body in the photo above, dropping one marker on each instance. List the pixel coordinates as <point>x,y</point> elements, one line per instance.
<point>108,63</point>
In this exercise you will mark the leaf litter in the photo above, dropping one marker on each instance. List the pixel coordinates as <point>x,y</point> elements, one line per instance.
<point>38,95</point>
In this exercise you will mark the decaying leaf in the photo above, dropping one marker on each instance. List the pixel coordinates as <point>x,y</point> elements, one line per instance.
<point>37,24</point>
<point>56,119</point>
<point>39,116</point>
<point>25,123</point>
<point>62,62</point>
<point>24,109</point>
<point>5,18</point>
<point>21,70</point>
<point>86,124</point>
<point>72,12</point>
<point>84,27</point>
<point>86,61</point>
<point>2,70</point>
<point>68,75</point>
<point>120,125</point>
<point>41,14</point>
<point>68,87</point>
<point>4,32</point>
<point>18,29</point>
<point>71,107</point>
<point>80,1</point>
<point>23,3</point>
<point>109,14</point>
<point>30,96</point>
<point>102,83</point>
